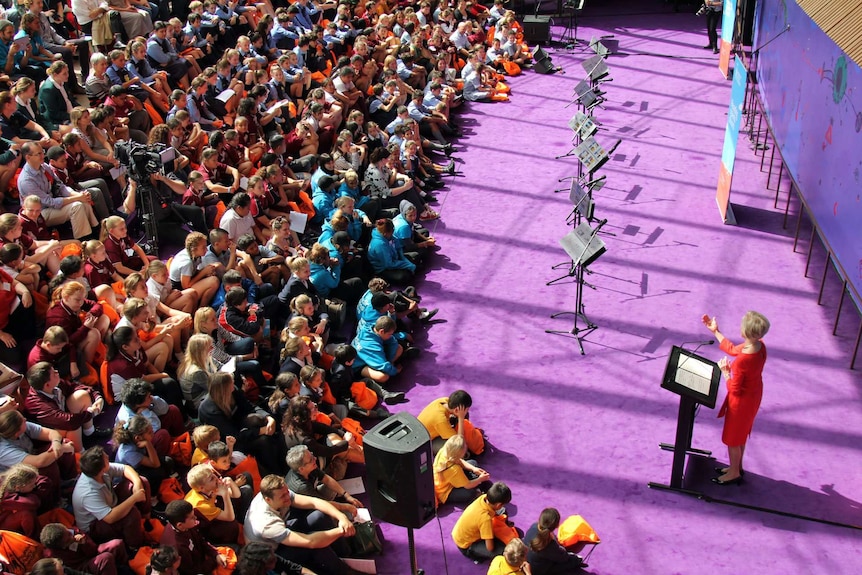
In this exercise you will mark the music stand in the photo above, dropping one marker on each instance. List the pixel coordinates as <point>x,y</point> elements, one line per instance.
<point>695,379</point>
<point>570,35</point>
<point>595,67</point>
<point>584,247</point>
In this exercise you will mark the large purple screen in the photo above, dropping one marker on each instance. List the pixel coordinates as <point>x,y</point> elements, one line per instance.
<point>812,93</point>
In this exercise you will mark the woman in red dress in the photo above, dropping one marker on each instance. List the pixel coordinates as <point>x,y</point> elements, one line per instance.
<point>744,389</point>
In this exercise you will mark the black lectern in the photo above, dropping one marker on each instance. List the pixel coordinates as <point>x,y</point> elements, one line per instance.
<point>695,379</point>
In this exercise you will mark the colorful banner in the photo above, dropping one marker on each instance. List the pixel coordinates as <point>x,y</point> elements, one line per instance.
<point>731,136</point>
<point>728,29</point>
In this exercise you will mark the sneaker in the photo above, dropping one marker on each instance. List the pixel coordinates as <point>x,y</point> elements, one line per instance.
<point>426,314</point>
<point>429,215</point>
<point>410,352</point>
<point>100,433</point>
<point>393,397</point>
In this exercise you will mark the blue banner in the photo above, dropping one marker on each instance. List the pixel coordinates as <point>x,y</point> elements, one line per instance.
<point>731,136</point>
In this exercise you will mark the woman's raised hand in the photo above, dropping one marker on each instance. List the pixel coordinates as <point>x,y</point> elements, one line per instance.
<point>710,322</point>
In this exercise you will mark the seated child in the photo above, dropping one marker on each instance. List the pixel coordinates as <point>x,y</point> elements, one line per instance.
<point>134,441</point>
<point>513,561</point>
<point>473,533</point>
<point>223,460</point>
<point>378,351</point>
<point>456,479</point>
<point>267,264</point>
<point>78,551</point>
<point>364,397</point>
<point>195,553</point>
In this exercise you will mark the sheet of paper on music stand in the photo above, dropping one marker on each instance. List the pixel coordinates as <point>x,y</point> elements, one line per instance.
<point>243,183</point>
<point>694,374</point>
<point>590,153</point>
<point>353,485</point>
<point>595,66</point>
<point>583,125</point>
<point>298,220</point>
<point>226,95</point>
<point>582,245</point>
<point>230,366</point>
<point>585,94</point>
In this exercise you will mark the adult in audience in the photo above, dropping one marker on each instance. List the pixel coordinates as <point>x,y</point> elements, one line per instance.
<point>744,388</point>
<point>299,529</point>
<point>59,203</point>
<point>226,408</point>
<point>54,463</point>
<point>56,44</point>
<point>109,499</point>
<point>306,478</point>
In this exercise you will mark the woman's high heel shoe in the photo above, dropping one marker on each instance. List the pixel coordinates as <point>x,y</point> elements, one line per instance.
<point>723,470</point>
<point>737,481</point>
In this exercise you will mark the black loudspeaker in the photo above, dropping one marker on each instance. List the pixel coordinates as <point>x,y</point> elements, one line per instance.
<point>537,29</point>
<point>542,62</point>
<point>399,472</point>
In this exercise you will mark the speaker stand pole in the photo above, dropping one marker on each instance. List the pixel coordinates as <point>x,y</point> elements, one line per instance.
<point>411,544</point>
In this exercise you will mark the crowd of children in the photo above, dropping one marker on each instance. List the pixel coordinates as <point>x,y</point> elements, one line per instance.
<point>308,139</point>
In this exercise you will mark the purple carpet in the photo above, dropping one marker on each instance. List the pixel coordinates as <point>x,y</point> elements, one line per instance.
<point>582,433</point>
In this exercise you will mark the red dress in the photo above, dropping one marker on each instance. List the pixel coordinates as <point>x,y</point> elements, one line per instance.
<point>744,392</point>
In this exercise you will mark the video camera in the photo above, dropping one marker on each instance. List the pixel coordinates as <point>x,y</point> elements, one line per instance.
<point>142,161</point>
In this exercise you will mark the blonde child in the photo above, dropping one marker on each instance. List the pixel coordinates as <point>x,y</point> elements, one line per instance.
<point>177,324</point>
<point>160,287</point>
<point>202,436</point>
<point>513,561</point>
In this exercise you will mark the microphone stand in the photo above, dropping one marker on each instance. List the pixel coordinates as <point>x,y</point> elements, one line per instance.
<point>577,270</point>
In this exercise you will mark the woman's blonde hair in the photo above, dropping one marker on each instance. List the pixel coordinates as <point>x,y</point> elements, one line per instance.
<point>197,355</point>
<point>221,391</point>
<point>754,325</point>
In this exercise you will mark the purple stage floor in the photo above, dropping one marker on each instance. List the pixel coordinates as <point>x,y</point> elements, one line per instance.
<point>582,433</point>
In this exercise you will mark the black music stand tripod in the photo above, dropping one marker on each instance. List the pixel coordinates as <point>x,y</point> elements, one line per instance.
<point>577,271</point>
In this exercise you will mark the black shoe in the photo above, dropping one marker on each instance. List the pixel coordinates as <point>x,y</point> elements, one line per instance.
<point>100,433</point>
<point>393,397</point>
<point>410,352</point>
<point>737,481</point>
<point>709,47</point>
<point>447,149</point>
<point>715,50</point>
<point>450,169</point>
<point>427,315</point>
<point>410,292</point>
